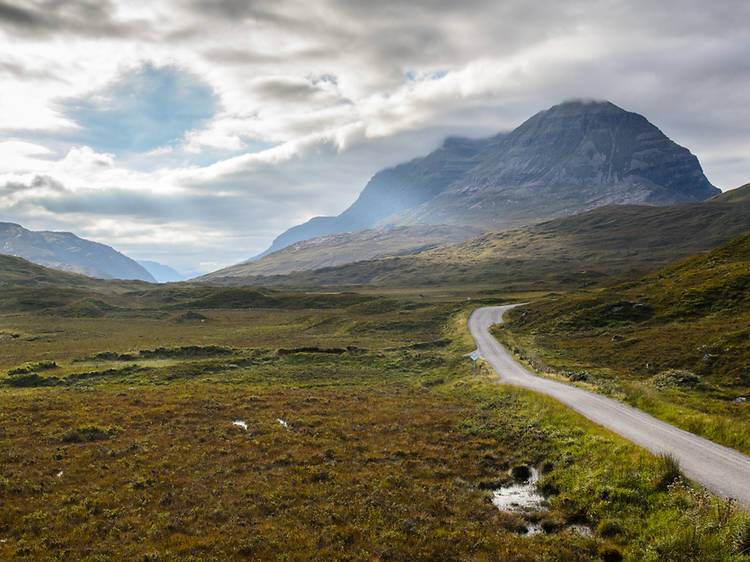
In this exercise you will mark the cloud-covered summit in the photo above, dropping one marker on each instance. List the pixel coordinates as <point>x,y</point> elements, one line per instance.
<point>193,132</point>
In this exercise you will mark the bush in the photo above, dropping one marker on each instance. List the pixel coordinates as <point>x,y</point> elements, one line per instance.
<point>89,433</point>
<point>676,378</point>
<point>521,472</point>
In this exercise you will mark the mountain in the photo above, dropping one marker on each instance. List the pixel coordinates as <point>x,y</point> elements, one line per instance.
<point>573,157</point>
<point>68,252</point>
<point>567,251</point>
<point>162,273</point>
<point>570,158</point>
<point>395,189</point>
<point>338,249</point>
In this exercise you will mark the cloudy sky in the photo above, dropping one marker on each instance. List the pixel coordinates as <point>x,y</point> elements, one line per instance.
<point>193,132</point>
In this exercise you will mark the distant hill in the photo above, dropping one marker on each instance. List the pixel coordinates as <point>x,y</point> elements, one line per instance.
<point>573,157</point>
<point>162,273</point>
<point>337,249</point>
<point>565,251</point>
<point>68,252</point>
<point>18,272</point>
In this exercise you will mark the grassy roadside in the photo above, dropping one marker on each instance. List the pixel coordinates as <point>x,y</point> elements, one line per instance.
<point>675,344</point>
<point>390,451</point>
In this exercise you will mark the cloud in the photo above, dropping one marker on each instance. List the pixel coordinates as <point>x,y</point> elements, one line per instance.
<point>226,122</point>
<point>92,18</point>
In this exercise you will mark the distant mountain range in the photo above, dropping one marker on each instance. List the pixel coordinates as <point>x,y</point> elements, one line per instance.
<point>571,158</point>
<point>68,252</point>
<point>567,251</point>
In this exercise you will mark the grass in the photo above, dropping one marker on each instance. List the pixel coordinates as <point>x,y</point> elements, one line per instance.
<point>675,343</point>
<point>390,447</point>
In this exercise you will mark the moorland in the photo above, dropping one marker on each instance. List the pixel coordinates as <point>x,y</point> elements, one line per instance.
<point>365,434</point>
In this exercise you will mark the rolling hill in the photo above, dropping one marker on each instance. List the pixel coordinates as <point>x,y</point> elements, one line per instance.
<point>575,250</point>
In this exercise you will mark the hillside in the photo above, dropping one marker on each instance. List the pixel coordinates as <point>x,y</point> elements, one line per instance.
<point>68,252</point>
<point>738,194</point>
<point>573,157</point>
<point>338,249</point>
<point>561,252</point>
<point>676,342</point>
<point>18,272</point>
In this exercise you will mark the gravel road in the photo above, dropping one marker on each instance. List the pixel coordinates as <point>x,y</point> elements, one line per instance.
<point>720,469</point>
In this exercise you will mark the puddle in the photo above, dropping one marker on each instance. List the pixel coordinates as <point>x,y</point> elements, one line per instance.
<point>240,423</point>
<point>282,422</point>
<point>523,498</point>
<point>520,497</point>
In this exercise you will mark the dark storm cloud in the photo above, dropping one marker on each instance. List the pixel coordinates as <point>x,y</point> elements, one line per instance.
<point>142,110</point>
<point>88,18</point>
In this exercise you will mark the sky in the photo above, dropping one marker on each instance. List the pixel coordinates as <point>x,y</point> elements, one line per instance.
<point>193,132</point>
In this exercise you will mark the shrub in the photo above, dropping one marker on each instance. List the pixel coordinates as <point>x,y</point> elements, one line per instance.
<point>676,378</point>
<point>670,470</point>
<point>88,433</point>
<point>610,528</point>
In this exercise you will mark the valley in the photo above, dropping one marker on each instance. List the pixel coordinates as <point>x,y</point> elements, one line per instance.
<point>120,426</point>
<point>321,398</point>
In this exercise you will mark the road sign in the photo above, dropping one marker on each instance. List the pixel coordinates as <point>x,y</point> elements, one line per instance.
<point>474,356</point>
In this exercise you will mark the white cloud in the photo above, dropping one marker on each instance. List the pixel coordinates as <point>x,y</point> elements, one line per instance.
<point>312,99</point>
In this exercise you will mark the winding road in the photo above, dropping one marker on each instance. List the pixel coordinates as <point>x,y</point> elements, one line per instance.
<point>720,469</point>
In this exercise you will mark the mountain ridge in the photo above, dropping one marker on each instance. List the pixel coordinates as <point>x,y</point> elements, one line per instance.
<point>570,158</point>
<point>583,248</point>
<point>67,252</point>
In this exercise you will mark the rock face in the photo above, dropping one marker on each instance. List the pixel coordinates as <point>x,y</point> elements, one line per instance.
<point>68,252</point>
<point>570,158</point>
<point>573,157</point>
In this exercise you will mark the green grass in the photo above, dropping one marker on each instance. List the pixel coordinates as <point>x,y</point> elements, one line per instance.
<point>126,447</point>
<point>675,344</point>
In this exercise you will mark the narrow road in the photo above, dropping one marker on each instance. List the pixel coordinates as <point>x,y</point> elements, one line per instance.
<point>720,469</point>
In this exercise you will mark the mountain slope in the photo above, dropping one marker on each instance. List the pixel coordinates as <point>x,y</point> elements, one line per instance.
<point>394,189</point>
<point>18,272</point>
<point>68,252</point>
<point>570,158</point>
<point>560,252</point>
<point>338,249</point>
